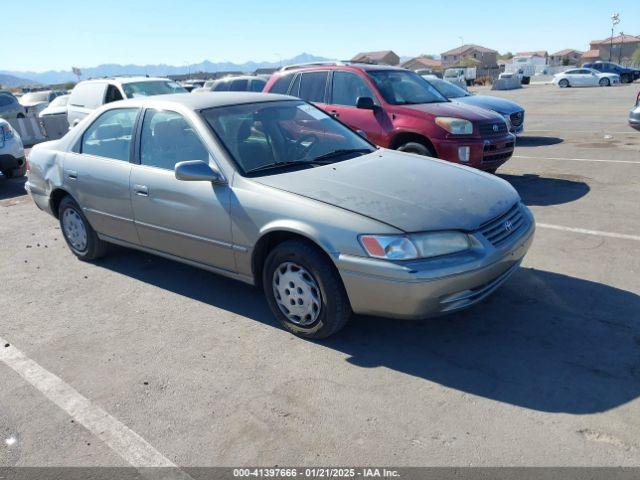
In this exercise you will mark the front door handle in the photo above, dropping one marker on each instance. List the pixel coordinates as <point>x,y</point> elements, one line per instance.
<point>141,190</point>
<point>72,174</point>
<point>334,113</point>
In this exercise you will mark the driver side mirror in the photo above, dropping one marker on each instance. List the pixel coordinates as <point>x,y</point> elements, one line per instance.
<point>366,103</point>
<point>197,171</point>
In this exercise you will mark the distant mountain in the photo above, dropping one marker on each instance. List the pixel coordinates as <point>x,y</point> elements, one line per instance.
<point>61,76</point>
<point>11,81</point>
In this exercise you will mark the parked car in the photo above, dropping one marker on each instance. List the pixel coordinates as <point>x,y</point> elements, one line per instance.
<point>10,107</point>
<point>35,102</point>
<point>464,75</point>
<point>634,114</point>
<point>12,158</point>
<point>585,77</point>
<point>398,109</point>
<point>511,111</point>
<point>192,84</point>
<point>626,74</point>
<point>57,107</point>
<point>272,191</point>
<point>88,95</point>
<point>246,83</point>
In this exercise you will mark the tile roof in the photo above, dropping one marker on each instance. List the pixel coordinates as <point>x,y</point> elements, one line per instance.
<point>618,39</point>
<point>465,48</point>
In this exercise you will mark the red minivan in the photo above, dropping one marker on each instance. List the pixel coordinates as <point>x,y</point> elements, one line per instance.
<point>398,109</point>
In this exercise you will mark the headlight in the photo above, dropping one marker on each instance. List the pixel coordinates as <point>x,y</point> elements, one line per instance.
<point>457,126</point>
<point>411,247</point>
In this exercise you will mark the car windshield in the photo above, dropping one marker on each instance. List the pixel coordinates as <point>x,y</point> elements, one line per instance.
<point>152,87</point>
<point>401,87</point>
<point>270,137</point>
<point>36,97</point>
<point>448,89</point>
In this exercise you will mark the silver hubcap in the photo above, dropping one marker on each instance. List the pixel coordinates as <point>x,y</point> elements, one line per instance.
<point>297,293</point>
<point>74,229</point>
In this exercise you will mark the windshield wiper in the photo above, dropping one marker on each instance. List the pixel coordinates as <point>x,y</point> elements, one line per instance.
<point>337,153</point>
<point>276,165</point>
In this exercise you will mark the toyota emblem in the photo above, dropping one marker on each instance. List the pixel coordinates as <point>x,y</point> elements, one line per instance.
<point>496,127</point>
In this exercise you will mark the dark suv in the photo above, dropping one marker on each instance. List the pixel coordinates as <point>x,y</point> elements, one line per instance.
<point>627,75</point>
<point>398,109</point>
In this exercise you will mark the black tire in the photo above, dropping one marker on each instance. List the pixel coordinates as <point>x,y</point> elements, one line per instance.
<point>492,170</point>
<point>335,309</point>
<point>564,83</point>
<point>95,248</point>
<point>417,147</point>
<point>625,78</point>
<point>605,82</point>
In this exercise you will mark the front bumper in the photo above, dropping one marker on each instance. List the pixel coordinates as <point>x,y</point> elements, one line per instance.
<point>485,153</point>
<point>434,287</point>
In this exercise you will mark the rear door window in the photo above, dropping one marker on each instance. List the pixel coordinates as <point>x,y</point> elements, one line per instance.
<point>313,86</point>
<point>281,85</point>
<point>109,136</point>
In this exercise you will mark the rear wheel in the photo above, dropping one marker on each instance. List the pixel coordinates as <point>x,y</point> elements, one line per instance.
<point>605,82</point>
<point>78,233</point>
<point>625,78</point>
<point>417,147</point>
<point>304,291</point>
<point>564,83</point>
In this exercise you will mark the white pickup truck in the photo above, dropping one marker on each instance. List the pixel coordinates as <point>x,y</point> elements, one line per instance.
<point>523,67</point>
<point>460,75</point>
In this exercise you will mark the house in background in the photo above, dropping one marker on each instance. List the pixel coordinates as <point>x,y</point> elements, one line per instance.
<point>568,56</point>
<point>541,54</point>
<point>620,47</point>
<point>423,63</point>
<point>470,54</point>
<point>384,57</point>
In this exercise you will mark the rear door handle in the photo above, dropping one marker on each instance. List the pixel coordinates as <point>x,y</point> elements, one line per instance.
<point>141,190</point>
<point>72,174</point>
<point>334,113</point>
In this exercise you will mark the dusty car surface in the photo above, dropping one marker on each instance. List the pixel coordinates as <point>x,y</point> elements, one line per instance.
<point>12,159</point>
<point>634,114</point>
<point>272,191</point>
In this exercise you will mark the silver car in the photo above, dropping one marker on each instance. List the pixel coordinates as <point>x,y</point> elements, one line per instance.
<point>269,190</point>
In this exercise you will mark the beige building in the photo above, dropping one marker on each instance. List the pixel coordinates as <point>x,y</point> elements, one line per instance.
<point>472,54</point>
<point>618,48</point>
<point>568,56</point>
<point>384,57</point>
<point>422,63</point>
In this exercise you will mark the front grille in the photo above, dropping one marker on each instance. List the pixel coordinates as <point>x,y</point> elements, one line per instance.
<point>492,128</point>
<point>517,118</point>
<point>493,152</point>
<point>500,229</point>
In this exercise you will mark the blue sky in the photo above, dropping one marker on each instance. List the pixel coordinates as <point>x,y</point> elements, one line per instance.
<point>56,35</point>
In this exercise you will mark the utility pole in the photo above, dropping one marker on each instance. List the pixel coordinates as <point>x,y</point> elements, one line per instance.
<point>615,20</point>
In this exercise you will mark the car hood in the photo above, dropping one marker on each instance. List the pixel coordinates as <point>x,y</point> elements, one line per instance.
<point>54,110</point>
<point>455,109</point>
<point>492,103</point>
<point>409,192</point>
<point>32,104</point>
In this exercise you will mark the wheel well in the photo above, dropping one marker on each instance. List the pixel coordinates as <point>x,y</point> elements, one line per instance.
<point>268,242</point>
<point>405,137</point>
<point>55,198</point>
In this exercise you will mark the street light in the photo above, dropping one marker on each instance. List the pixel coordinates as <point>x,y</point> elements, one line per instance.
<point>615,20</point>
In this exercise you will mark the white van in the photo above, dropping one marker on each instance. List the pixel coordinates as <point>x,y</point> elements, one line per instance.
<point>88,95</point>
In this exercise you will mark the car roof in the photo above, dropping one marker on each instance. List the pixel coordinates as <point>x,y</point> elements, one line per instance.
<point>238,77</point>
<point>338,66</point>
<point>202,100</point>
<point>124,80</point>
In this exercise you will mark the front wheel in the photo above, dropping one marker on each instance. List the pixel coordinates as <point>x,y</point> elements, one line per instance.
<point>564,83</point>
<point>625,78</point>
<point>604,82</point>
<point>79,235</point>
<point>304,291</point>
<point>418,148</point>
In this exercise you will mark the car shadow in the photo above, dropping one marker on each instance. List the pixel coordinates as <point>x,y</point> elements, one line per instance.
<point>542,191</point>
<point>12,187</point>
<point>545,341</point>
<point>537,141</point>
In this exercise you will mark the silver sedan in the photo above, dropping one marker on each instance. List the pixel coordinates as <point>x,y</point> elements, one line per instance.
<point>271,191</point>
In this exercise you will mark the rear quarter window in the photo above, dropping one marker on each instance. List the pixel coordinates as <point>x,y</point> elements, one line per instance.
<point>88,95</point>
<point>281,85</point>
